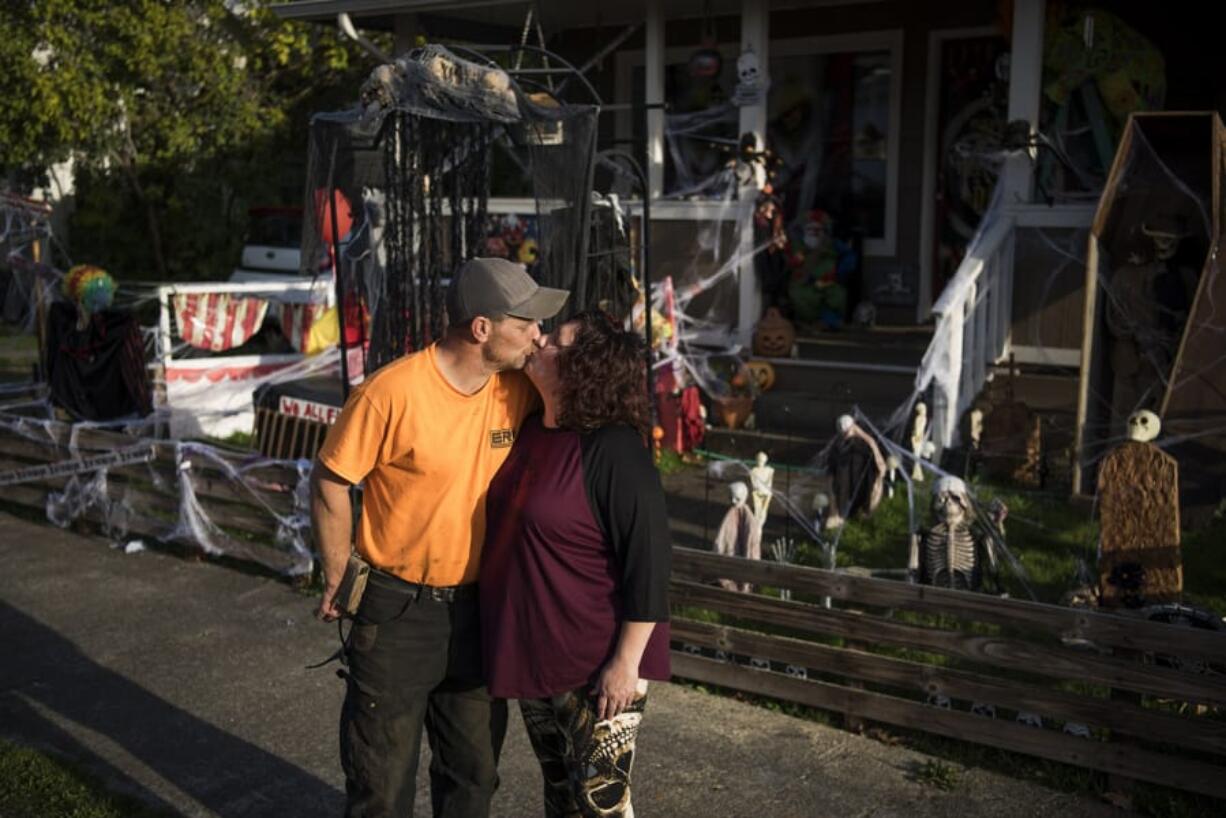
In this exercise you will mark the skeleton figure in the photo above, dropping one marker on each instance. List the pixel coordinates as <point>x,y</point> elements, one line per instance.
<point>919,429</point>
<point>762,478</point>
<point>951,553</point>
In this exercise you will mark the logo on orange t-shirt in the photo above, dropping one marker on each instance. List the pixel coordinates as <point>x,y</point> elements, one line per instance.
<point>501,438</point>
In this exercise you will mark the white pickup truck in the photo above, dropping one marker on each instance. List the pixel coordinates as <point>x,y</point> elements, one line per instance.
<point>273,250</point>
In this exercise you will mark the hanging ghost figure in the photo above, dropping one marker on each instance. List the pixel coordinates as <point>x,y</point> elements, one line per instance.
<point>739,534</point>
<point>952,552</point>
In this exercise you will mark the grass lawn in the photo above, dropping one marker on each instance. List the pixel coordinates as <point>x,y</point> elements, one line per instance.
<point>36,785</point>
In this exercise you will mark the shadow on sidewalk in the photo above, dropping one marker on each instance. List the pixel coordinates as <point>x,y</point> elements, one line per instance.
<point>45,679</point>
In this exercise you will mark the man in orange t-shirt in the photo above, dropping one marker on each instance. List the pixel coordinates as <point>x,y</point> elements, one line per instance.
<point>424,436</point>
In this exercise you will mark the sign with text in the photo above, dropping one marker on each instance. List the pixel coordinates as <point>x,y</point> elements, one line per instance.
<point>308,410</point>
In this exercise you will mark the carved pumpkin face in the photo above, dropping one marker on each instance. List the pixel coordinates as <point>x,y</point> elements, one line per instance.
<point>773,336</point>
<point>762,373</point>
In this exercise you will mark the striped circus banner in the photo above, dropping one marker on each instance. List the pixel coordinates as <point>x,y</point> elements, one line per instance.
<point>218,321</point>
<point>309,327</point>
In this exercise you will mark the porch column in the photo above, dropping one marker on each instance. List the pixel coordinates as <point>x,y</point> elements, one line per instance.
<point>1025,92</point>
<point>755,35</point>
<point>654,92</point>
<point>405,28</point>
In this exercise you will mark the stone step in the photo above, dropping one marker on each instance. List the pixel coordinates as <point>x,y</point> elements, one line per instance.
<point>813,414</point>
<point>904,349</point>
<point>849,381</point>
<point>744,444</point>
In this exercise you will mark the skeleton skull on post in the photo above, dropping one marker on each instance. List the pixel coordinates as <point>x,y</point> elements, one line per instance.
<point>1143,426</point>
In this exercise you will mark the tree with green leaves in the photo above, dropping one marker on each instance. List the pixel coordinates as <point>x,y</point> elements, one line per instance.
<point>176,114</point>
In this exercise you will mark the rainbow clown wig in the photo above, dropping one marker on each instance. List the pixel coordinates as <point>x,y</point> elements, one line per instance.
<point>91,287</point>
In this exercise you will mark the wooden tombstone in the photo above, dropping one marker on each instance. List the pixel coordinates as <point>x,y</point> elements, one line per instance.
<point>1138,501</point>
<point>1011,447</point>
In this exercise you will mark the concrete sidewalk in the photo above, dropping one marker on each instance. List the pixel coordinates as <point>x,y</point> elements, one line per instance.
<point>184,683</point>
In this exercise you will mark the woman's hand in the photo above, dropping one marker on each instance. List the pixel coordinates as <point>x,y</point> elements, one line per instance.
<point>615,689</point>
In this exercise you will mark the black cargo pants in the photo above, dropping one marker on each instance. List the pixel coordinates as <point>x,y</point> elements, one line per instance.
<point>415,660</point>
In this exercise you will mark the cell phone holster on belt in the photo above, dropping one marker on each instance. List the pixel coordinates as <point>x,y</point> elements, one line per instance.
<point>353,585</point>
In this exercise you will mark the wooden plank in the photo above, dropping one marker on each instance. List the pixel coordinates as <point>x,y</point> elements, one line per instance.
<point>1193,776</point>
<point>1101,628</point>
<point>1208,735</point>
<point>994,651</point>
<point>60,434</point>
<point>246,516</point>
<point>208,482</point>
<point>212,485</point>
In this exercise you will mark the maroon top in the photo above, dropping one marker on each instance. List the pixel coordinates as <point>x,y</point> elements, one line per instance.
<point>576,542</point>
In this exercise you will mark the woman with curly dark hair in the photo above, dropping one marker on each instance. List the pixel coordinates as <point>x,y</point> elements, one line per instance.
<point>574,573</point>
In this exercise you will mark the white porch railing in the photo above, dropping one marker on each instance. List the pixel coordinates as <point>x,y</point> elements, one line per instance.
<point>973,317</point>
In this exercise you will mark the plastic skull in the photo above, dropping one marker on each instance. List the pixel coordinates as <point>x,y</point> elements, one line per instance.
<point>740,493</point>
<point>1143,426</point>
<point>1166,235</point>
<point>747,68</point>
<point>844,424</point>
<point>950,500</point>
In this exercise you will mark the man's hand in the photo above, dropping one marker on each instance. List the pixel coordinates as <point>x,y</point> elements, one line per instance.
<point>328,611</point>
<point>616,689</point>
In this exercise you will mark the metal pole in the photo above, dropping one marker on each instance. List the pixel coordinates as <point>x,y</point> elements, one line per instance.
<point>645,238</point>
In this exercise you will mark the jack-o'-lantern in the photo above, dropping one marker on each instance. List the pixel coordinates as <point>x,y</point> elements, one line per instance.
<point>762,374</point>
<point>774,335</point>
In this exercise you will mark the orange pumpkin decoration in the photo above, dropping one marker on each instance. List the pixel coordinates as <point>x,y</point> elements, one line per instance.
<point>762,373</point>
<point>774,335</point>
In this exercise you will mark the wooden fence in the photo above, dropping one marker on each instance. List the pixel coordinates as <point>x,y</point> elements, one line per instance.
<point>1149,693</point>
<point>147,499</point>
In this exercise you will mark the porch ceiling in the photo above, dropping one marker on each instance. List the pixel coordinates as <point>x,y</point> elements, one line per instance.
<point>556,15</point>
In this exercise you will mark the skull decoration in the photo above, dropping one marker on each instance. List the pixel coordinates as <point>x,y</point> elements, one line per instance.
<point>747,67</point>
<point>1143,426</point>
<point>751,84</point>
<point>950,500</point>
<point>844,424</point>
<point>1166,233</point>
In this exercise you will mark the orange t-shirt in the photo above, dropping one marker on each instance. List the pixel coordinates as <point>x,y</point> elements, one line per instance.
<point>426,453</point>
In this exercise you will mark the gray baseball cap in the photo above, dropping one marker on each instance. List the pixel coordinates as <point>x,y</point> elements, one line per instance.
<point>494,287</point>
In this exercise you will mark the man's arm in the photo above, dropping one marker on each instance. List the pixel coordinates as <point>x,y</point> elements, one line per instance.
<point>332,521</point>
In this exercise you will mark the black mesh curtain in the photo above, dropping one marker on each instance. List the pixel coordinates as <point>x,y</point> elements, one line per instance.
<point>411,187</point>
